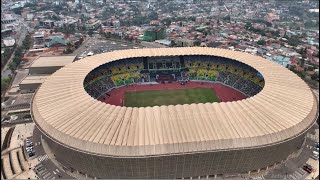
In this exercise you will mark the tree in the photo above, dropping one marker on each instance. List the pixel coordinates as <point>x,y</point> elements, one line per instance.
<point>68,50</point>
<point>294,41</point>
<point>315,76</point>
<point>17,10</point>
<point>261,42</point>
<point>153,15</point>
<point>56,18</point>
<point>101,32</point>
<point>167,21</point>
<point>18,52</point>
<point>16,59</point>
<point>69,45</point>
<point>191,18</point>
<point>268,24</point>
<point>12,66</point>
<point>5,83</point>
<point>26,42</point>
<point>197,43</point>
<point>309,68</point>
<point>233,43</point>
<point>248,25</point>
<point>108,34</point>
<point>302,62</point>
<point>227,18</point>
<point>90,32</point>
<point>81,40</point>
<point>173,43</point>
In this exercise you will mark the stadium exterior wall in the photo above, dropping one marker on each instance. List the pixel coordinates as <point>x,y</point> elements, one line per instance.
<point>198,164</point>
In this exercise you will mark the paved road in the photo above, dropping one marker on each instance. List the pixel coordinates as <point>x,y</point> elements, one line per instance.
<point>46,169</point>
<point>292,168</point>
<point>316,92</point>
<point>83,46</point>
<point>20,75</point>
<point>5,71</point>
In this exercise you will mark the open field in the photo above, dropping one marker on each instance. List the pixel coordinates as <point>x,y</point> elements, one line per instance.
<point>169,97</point>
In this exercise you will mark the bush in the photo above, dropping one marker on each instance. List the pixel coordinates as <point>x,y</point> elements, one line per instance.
<point>315,76</point>
<point>261,42</point>
<point>5,82</point>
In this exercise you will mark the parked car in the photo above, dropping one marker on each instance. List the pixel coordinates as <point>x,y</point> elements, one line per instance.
<point>29,150</point>
<point>315,157</point>
<point>41,168</point>
<point>29,143</point>
<point>315,153</point>
<point>307,168</point>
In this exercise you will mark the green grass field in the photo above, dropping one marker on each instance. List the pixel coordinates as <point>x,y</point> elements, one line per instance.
<point>169,97</point>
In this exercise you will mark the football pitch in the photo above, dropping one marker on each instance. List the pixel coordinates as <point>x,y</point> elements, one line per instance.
<point>169,97</point>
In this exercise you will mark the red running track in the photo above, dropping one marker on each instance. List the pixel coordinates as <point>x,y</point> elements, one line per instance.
<point>223,92</point>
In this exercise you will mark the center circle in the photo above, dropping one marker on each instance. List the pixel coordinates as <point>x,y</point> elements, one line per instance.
<point>172,80</point>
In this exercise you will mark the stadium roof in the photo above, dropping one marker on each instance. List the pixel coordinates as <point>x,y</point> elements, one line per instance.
<point>62,109</point>
<point>52,61</point>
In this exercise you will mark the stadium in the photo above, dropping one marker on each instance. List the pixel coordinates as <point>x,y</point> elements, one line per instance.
<point>173,113</point>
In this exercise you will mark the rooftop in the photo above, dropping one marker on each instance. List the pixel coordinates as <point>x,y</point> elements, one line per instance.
<point>34,79</point>
<point>55,61</point>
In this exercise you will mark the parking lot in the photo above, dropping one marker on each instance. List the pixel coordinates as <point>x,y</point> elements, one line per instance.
<point>16,118</point>
<point>44,173</point>
<point>29,147</point>
<point>46,169</point>
<point>96,45</point>
<point>296,168</point>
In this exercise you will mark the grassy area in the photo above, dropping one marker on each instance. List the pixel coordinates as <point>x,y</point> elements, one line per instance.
<point>169,97</point>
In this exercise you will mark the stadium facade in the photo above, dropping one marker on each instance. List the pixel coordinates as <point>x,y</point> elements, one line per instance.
<point>192,140</point>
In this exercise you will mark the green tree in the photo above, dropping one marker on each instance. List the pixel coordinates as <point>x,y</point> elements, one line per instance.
<point>17,10</point>
<point>18,52</point>
<point>108,34</point>
<point>248,25</point>
<point>315,76</point>
<point>12,66</point>
<point>101,32</point>
<point>56,30</point>
<point>166,21</point>
<point>90,32</point>
<point>5,82</point>
<point>197,43</point>
<point>81,40</point>
<point>294,41</point>
<point>26,43</point>
<point>227,18</point>
<point>191,18</point>
<point>173,43</point>
<point>261,42</point>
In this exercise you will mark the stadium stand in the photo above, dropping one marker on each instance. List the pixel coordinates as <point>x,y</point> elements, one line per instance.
<point>208,68</point>
<point>13,163</point>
